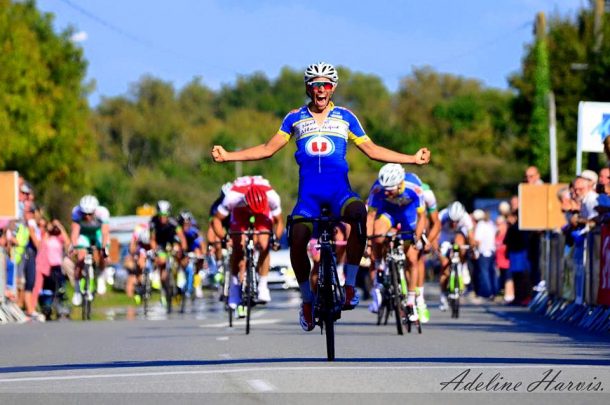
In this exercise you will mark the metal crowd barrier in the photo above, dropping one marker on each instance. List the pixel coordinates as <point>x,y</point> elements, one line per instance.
<point>572,281</point>
<point>9,311</point>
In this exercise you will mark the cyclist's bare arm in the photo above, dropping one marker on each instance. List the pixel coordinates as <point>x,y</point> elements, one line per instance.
<point>217,225</point>
<point>278,222</point>
<point>420,225</point>
<point>370,220</point>
<point>435,229</point>
<point>74,233</point>
<point>182,238</point>
<point>262,151</point>
<point>105,235</point>
<point>379,153</point>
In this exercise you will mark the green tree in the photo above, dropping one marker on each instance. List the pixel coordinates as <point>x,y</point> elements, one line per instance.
<point>44,128</point>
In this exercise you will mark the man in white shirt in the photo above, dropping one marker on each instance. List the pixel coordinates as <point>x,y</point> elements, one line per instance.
<point>485,241</point>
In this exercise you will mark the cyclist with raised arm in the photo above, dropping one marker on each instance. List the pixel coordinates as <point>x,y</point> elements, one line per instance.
<point>432,232</point>
<point>250,196</point>
<point>396,199</point>
<point>165,234</point>
<point>89,228</point>
<point>321,131</point>
<point>456,228</point>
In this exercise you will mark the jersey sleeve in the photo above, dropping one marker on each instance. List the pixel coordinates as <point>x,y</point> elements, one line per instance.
<point>375,199</point>
<point>76,214</point>
<point>356,133</point>
<point>103,214</point>
<point>275,205</point>
<point>229,202</point>
<point>287,124</point>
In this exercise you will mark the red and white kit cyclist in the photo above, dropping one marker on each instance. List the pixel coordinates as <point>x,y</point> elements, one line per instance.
<point>250,196</point>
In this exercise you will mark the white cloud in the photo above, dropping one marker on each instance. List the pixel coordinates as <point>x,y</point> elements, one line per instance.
<point>80,36</point>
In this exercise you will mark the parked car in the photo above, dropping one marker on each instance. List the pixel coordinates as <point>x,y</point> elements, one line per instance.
<point>281,273</point>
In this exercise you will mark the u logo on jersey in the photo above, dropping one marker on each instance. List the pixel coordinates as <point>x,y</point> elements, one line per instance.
<point>319,146</point>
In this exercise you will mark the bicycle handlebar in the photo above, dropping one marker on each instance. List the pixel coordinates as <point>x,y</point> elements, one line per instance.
<point>391,234</point>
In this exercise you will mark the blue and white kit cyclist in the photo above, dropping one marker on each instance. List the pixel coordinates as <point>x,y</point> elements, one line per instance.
<point>321,132</point>
<point>456,227</point>
<point>397,199</point>
<point>194,245</point>
<point>89,228</point>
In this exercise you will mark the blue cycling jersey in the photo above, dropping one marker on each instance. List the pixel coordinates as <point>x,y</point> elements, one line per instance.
<point>402,208</point>
<point>320,155</point>
<point>193,239</point>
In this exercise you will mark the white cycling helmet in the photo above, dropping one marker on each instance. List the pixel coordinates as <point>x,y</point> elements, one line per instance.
<point>88,204</point>
<point>321,69</point>
<point>391,175</point>
<point>456,211</point>
<point>163,207</point>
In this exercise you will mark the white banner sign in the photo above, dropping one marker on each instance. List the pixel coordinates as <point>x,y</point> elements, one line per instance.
<point>593,125</point>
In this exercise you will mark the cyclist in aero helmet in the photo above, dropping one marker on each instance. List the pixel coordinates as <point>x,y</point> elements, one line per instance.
<point>321,131</point>
<point>250,196</point>
<point>456,227</point>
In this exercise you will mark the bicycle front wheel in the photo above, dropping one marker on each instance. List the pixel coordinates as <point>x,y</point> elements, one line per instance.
<point>329,325</point>
<point>396,297</point>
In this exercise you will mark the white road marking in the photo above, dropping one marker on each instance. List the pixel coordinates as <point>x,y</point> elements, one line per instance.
<point>276,369</point>
<point>240,321</point>
<point>222,338</point>
<point>261,385</point>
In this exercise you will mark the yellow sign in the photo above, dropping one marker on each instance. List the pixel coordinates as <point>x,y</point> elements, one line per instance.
<point>145,210</point>
<point>9,205</point>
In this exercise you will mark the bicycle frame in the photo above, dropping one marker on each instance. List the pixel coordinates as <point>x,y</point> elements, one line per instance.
<point>249,287</point>
<point>455,284</point>
<point>88,287</point>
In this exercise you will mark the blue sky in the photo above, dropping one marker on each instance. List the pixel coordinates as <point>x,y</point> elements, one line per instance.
<point>221,39</point>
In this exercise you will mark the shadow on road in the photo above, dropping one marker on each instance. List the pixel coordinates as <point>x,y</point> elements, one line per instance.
<point>309,360</point>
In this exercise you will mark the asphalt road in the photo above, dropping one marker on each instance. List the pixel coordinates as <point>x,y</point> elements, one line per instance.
<point>505,353</point>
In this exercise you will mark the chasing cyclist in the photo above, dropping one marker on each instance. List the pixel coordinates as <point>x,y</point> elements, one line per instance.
<point>396,199</point>
<point>250,196</point>
<point>166,237</point>
<point>139,246</point>
<point>432,232</point>
<point>321,131</point>
<point>89,228</point>
<point>456,228</point>
<point>194,243</point>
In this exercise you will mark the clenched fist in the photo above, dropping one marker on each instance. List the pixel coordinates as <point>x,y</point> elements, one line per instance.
<point>219,154</point>
<point>422,156</point>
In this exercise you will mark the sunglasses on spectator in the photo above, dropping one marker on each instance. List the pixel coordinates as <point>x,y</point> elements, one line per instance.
<point>326,85</point>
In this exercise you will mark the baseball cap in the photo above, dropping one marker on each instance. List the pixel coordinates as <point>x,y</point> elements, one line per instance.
<point>25,189</point>
<point>589,175</point>
<point>478,214</point>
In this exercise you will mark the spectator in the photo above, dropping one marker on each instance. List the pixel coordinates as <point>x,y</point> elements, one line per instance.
<point>504,208</point>
<point>532,176</point>
<point>50,277</point>
<point>502,263</point>
<point>484,236</point>
<point>517,243</point>
<point>604,176</point>
<point>586,196</point>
